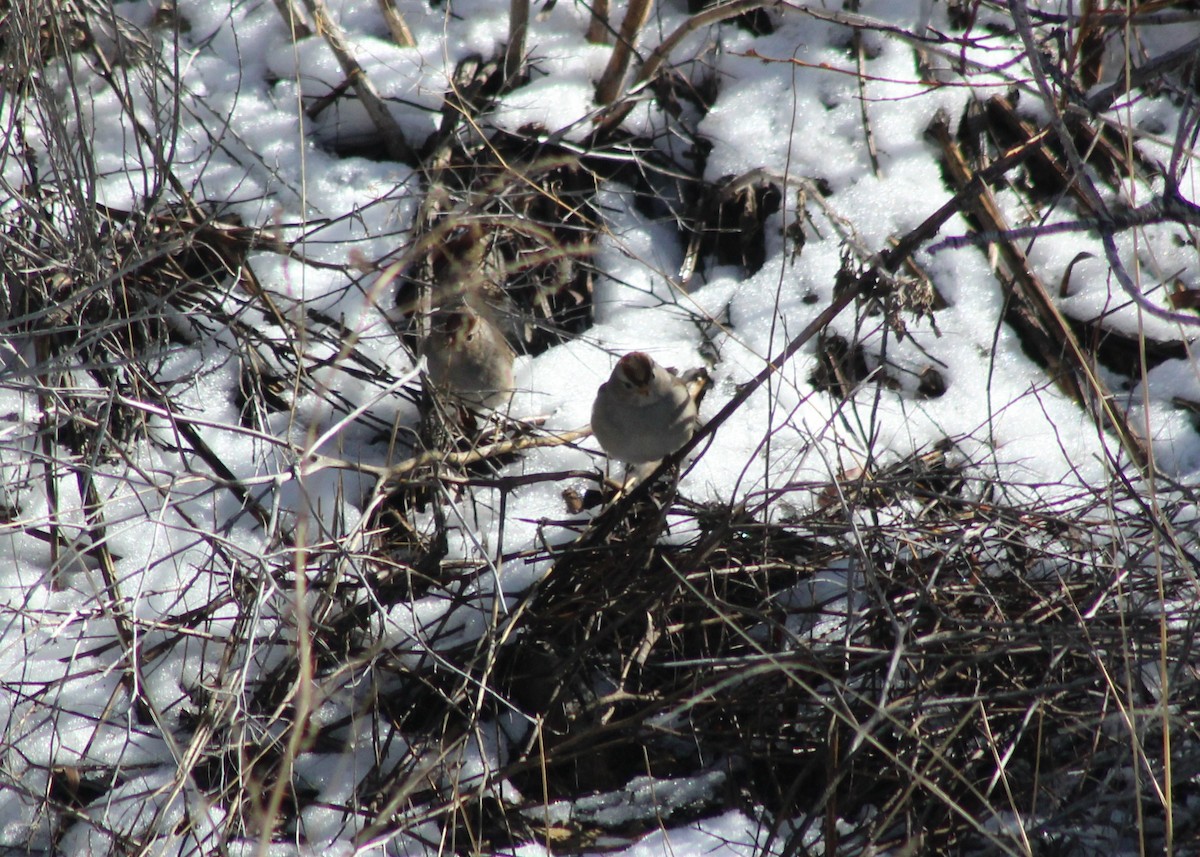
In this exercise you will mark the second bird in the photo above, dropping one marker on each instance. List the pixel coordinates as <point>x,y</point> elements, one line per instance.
<point>469,359</point>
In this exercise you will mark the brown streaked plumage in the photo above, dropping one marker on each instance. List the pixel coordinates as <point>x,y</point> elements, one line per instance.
<point>468,359</point>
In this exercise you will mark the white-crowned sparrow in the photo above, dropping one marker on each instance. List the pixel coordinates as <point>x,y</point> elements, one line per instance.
<point>468,358</point>
<point>642,412</point>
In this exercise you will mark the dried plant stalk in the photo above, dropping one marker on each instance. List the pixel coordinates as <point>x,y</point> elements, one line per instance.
<point>518,27</point>
<point>401,34</point>
<point>598,30</point>
<point>296,24</point>
<point>659,55</point>
<point>389,131</point>
<point>609,86</point>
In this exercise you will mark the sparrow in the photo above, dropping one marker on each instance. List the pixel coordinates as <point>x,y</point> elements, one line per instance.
<point>468,359</point>
<point>643,412</point>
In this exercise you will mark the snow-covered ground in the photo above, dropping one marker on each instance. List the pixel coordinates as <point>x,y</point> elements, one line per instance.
<point>789,104</point>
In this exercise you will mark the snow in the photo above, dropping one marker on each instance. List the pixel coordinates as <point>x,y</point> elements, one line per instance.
<point>728,835</point>
<point>792,111</point>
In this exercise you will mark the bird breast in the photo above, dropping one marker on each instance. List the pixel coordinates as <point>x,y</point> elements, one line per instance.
<point>636,428</point>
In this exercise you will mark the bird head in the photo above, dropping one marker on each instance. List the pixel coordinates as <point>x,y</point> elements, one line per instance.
<point>457,326</point>
<point>635,373</point>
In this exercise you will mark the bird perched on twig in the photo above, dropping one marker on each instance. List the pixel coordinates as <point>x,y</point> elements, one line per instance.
<point>469,359</point>
<point>644,412</point>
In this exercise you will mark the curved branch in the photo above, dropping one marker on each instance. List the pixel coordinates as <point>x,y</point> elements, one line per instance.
<point>659,55</point>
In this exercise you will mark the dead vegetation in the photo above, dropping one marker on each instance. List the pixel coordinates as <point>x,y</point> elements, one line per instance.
<point>926,659</point>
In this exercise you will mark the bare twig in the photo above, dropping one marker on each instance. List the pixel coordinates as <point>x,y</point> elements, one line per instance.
<point>389,131</point>
<point>1100,101</point>
<point>598,31</point>
<point>296,24</point>
<point>659,55</point>
<point>396,25</point>
<point>609,85</point>
<point>318,461</point>
<point>518,28</point>
<point>860,63</point>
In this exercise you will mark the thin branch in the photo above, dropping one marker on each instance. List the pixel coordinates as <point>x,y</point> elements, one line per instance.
<point>396,25</point>
<point>659,55</point>
<point>599,31</point>
<point>518,28</point>
<point>385,125</point>
<point>297,26</point>
<point>1100,101</point>
<point>1159,210</point>
<point>316,461</point>
<point>609,85</point>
